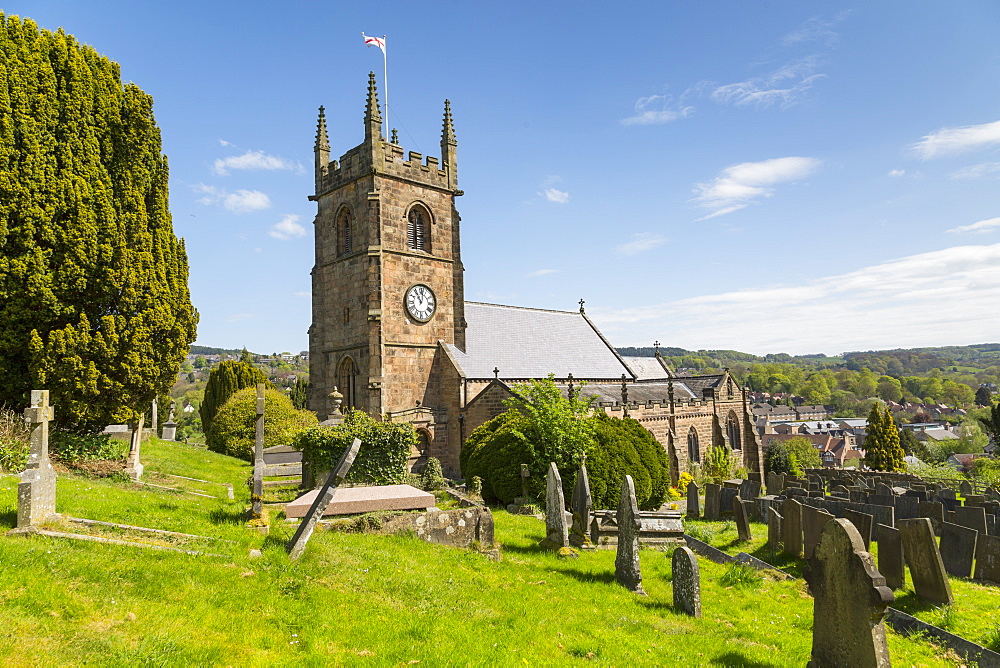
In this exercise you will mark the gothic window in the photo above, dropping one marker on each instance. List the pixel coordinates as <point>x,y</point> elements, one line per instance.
<point>418,229</point>
<point>733,431</point>
<point>347,381</point>
<point>694,455</point>
<point>345,221</point>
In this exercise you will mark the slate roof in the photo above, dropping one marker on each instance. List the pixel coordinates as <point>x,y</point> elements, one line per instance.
<point>646,368</point>
<point>637,392</point>
<point>528,343</point>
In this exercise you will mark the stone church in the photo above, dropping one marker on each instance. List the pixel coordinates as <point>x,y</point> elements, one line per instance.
<point>392,331</point>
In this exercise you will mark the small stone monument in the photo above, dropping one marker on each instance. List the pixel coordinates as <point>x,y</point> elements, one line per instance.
<point>850,598</point>
<point>791,527</point>
<point>686,582</point>
<point>742,521</point>
<point>133,467</point>
<point>988,559</point>
<point>257,493</point>
<point>556,531</point>
<point>713,497</point>
<point>958,547</point>
<point>582,505</point>
<point>774,520</point>
<point>890,556</point>
<point>930,582</point>
<point>525,492</point>
<point>170,426</point>
<point>862,522</point>
<point>36,493</point>
<point>627,570</point>
<point>693,507</point>
<point>297,545</point>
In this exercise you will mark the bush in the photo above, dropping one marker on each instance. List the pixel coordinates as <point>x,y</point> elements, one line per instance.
<point>494,452</point>
<point>718,466</point>
<point>225,380</point>
<point>233,430</point>
<point>15,439</point>
<point>86,447</point>
<point>431,478</point>
<point>385,448</point>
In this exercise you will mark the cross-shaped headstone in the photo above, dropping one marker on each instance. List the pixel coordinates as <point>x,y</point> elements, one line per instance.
<point>297,545</point>
<point>38,415</point>
<point>257,494</point>
<point>36,493</point>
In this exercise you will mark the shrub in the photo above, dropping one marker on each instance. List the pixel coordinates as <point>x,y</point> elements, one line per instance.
<point>385,448</point>
<point>225,380</point>
<point>494,452</point>
<point>718,466</point>
<point>683,481</point>
<point>475,486</point>
<point>741,576</point>
<point>233,429</point>
<point>86,447</point>
<point>15,437</point>
<point>431,478</point>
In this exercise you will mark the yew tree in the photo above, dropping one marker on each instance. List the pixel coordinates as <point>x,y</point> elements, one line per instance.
<point>94,302</point>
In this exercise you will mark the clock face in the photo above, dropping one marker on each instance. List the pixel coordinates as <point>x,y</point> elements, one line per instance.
<point>420,303</point>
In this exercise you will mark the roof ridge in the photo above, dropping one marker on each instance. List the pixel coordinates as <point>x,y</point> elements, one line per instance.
<point>525,308</point>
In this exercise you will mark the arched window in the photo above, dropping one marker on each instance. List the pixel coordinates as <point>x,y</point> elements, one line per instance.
<point>418,229</point>
<point>345,221</point>
<point>347,381</point>
<point>733,431</point>
<point>694,455</point>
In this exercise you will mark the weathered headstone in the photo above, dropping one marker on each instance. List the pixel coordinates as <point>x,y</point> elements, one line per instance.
<point>627,570</point>
<point>958,548</point>
<point>947,493</point>
<point>965,488</point>
<point>742,521</point>
<point>973,518</point>
<point>883,490</point>
<point>906,507</point>
<point>713,495</point>
<point>582,505</point>
<point>920,550</point>
<point>749,489</point>
<point>988,559</point>
<point>726,496</point>
<point>774,520</point>
<point>36,493</point>
<point>813,521</point>
<point>525,474</point>
<point>791,527</point>
<point>257,493</point>
<point>890,556</point>
<point>862,522</point>
<point>932,510</point>
<point>297,545</point>
<point>556,531</point>
<point>693,502</point>
<point>686,582</point>
<point>849,601</point>
<point>134,467</point>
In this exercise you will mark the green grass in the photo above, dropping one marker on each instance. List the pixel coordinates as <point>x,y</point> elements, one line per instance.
<point>357,599</point>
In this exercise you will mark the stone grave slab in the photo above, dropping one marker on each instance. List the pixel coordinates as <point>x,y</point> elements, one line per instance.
<point>972,517</point>
<point>686,582</point>
<point>920,550</point>
<point>862,522</point>
<point>933,511</point>
<point>890,556</point>
<point>297,545</point>
<point>693,501</point>
<point>713,498</point>
<point>352,500</point>
<point>813,521</point>
<point>742,520</point>
<point>774,519</point>
<point>726,496</point>
<point>988,559</point>
<point>658,528</point>
<point>906,507</point>
<point>749,489</point>
<point>582,507</point>
<point>36,492</point>
<point>628,571</point>
<point>556,527</point>
<point>791,527</point>
<point>958,548</point>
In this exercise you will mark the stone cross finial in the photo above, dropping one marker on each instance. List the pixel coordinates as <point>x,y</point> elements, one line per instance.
<point>496,373</point>
<point>625,395</point>
<point>395,137</point>
<point>581,305</point>
<point>656,347</point>
<point>569,389</point>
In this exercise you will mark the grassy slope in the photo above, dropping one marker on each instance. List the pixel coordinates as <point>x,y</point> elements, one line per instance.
<point>357,599</point>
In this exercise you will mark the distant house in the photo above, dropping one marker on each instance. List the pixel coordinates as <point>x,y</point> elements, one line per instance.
<point>963,463</point>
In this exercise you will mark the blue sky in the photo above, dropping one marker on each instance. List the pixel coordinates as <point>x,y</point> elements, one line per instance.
<point>770,177</point>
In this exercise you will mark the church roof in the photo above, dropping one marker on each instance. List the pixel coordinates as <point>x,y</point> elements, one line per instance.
<point>528,343</point>
<point>646,368</point>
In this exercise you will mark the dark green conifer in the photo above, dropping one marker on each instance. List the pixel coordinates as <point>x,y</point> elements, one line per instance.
<point>225,380</point>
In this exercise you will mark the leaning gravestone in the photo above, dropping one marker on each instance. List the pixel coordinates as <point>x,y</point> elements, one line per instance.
<point>850,599</point>
<point>297,545</point>
<point>958,548</point>
<point>627,570</point>
<point>742,521</point>
<point>686,582</point>
<point>930,582</point>
<point>988,559</point>
<point>890,556</point>
<point>582,505</point>
<point>257,493</point>
<point>791,527</point>
<point>713,494</point>
<point>774,520</point>
<point>813,521</point>
<point>556,531</point>
<point>36,493</point>
<point>862,522</point>
<point>693,509</point>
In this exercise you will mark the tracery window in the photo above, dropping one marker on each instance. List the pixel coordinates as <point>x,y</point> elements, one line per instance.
<point>733,431</point>
<point>694,454</point>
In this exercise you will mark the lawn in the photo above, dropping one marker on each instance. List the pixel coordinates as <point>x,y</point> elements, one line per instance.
<point>357,599</point>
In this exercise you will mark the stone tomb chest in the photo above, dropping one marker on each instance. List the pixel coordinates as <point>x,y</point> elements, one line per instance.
<point>659,528</point>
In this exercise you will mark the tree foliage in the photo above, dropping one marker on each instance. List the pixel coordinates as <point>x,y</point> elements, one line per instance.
<point>991,423</point>
<point>225,380</point>
<point>93,283</point>
<point>233,431</point>
<point>882,449</point>
<point>804,451</point>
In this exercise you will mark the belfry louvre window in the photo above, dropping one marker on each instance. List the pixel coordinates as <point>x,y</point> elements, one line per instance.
<point>344,225</point>
<point>418,230</point>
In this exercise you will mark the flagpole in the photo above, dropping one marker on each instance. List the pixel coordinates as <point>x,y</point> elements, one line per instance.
<point>385,82</point>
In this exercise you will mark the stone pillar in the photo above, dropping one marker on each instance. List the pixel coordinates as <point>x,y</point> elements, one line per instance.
<point>627,570</point>
<point>556,531</point>
<point>257,493</point>
<point>154,421</point>
<point>36,493</point>
<point>133,467</point>
<point>582,505</point>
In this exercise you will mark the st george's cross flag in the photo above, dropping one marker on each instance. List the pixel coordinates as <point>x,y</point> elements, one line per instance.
<point>375,41</point>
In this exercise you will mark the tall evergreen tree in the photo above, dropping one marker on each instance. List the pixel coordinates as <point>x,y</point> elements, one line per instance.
<point>225,380</point>
<point>882,449</point>
<point>94,302</point>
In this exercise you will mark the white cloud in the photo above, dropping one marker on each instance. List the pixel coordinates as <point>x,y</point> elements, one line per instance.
<point>897,172</point>
<point>253,160</point>
<point>640,243</point>
<point>738,186</point>
<point>237,201</point>
<point>541,272</point>
<point>985,170</point>
<point>303,294</point>
<point>287,228</point>
<point>948,141</point>
<point>784,86</point>
<point>555,195</point>
<point>223,142</point>
<point>918,300</point>
<point>982,226</point>
<point>657,110</point>
<point>816,29</point>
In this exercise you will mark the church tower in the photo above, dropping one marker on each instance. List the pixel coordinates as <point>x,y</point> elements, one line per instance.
<point>387,283</point>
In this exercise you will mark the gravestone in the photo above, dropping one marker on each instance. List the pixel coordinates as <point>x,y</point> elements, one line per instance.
<point>890,556</point>
<point>627,570</point>
<point>813,521</point>
<point>849,601</point>
<point>36,493</point>
<point>947,493</point>
<point>257,493</point>
<point>170,426</point>
<point>582,505</point>
<point>975,499</point>
<point>297,545</point>
<point>958,548</point>
<point>862,522</point>
<point>712,498</point>
<point>791,527</point>
<point>693,502</point>
<point>906,507</point>
<point>749,489</point>
<point>973,518</point>
<point>930,582</point>
<point>525,492</point>
<point>686,582</point>
<point>773,528</point>
<point>134,467</point>
<point>742,521</point>
<point>883,490</point>
<point>556,531</point>
<point>965,488</point>
<point>988,559</point>
<point>726,496</point>
<point>933,511</point>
